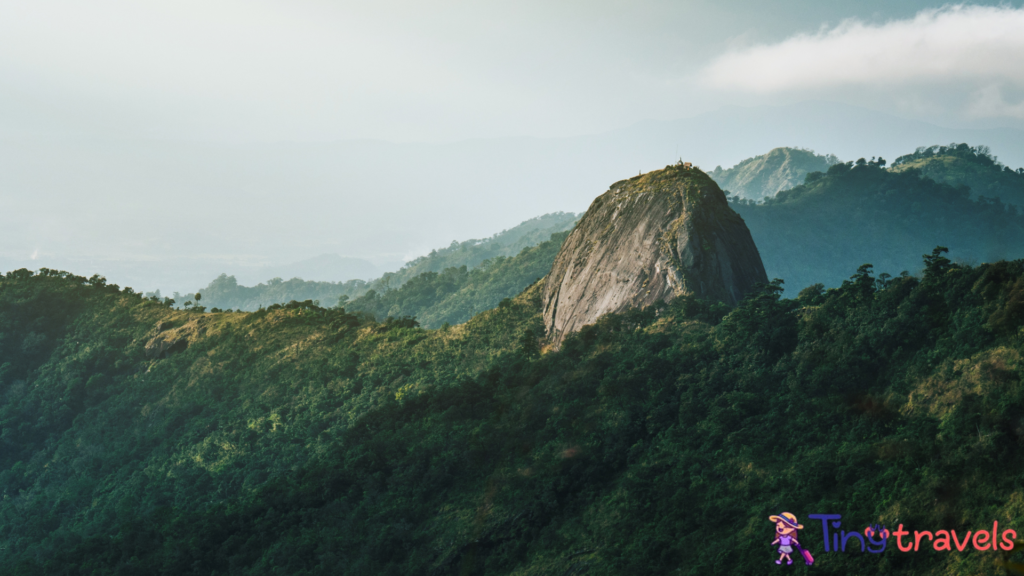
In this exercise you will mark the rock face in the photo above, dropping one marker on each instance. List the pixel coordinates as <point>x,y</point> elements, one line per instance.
<point>648,239</point>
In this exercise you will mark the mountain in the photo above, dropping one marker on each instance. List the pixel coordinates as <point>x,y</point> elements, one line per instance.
<point>763,176</point>
<point>455,295</point>
<point>822,242</point>
<point>226,293</point>
<point>381,201</point>
<point>472,253</point>
<point>138,439</point>
<point>807,249</point>
<point>860,212</point>
<point>323,268</point>
<point>971,166</point>
<point>646,240</point>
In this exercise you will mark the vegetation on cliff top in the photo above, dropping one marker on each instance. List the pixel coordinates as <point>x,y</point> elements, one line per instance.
<point>305,440</point>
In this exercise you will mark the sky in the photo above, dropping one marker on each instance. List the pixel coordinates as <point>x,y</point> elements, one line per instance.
<point>138,132</point>
<point>446,70</point>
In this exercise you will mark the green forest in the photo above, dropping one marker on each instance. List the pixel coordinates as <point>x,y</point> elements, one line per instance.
<point>974,166</point>
<point>455,295</point>
<point>857,211</point>
<point>302,440</point>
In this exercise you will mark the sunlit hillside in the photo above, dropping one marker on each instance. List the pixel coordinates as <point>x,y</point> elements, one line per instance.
<point>139,439</point>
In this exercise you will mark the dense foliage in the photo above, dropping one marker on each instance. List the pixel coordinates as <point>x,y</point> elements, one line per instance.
<point>225,293</point>
<point>817,232</point>
<point>455,295</point>
<point>973,166</point>
<point>138,439</point>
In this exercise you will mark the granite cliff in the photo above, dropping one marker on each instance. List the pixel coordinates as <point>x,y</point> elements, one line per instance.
<point>647,239</point>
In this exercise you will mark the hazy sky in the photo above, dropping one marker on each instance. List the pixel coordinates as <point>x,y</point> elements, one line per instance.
<point>162,142</point>
<point>439,71</point>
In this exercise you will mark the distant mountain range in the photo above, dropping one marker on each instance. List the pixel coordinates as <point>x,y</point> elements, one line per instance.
<point>763,176</point>
<point>173,215</point>
<point>813,232</point>
<point>472,253</point>
<point>860,212</point>
<point>456,294</point>
<point>325,267</point>
<point>225,292</point>
<point>955,164</point>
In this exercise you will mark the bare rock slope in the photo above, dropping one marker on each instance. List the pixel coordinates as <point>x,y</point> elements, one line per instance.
<point>650,238</point>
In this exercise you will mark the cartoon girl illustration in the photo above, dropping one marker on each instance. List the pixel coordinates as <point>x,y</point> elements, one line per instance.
<point>785,535</point>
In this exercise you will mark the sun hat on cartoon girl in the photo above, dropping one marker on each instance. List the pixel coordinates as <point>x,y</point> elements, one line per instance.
<point>787,519</point>
<point>786,526</point>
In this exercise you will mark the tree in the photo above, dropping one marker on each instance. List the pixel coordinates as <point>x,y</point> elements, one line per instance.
<point>935,264</point>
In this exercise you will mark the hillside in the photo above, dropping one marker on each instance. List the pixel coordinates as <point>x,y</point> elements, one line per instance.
<point>472,253</point>
<point>225,293</point>
<point>302,440</point>
<point>971,166</point>
<point>856,212</point>
<point>455,295</point>
<point>763,176</point>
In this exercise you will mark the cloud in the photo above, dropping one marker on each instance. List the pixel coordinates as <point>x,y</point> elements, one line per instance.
<point>975,48</point>
<point>989,102</point>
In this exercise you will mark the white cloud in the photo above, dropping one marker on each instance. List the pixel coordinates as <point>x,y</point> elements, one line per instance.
<point>989,102</point>
<point>972,47</point>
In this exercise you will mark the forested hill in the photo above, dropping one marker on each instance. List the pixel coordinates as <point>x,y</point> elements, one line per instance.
<point>305,441</point>
<point>973,166</point>
<point>225,293</point>
<point>765,175</point>
<point>455,295</point>
<point>861,212</point>
<point>472,253</point>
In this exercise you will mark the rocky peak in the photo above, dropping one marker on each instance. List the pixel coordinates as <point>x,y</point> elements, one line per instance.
<point>648,239</point>
<point>764,176</point>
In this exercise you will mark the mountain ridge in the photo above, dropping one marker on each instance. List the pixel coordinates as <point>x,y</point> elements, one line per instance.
<point>963,164</point>
<point>814,233</point>
<point>765,175</point>
<point>225,292</point>
<point>344,195</point>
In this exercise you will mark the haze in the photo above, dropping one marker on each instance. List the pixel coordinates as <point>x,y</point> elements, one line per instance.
<point>162,143</point>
